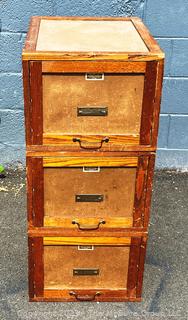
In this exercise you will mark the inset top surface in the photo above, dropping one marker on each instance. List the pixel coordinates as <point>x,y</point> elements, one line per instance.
<point>62,38</point>
<point>81,36</point>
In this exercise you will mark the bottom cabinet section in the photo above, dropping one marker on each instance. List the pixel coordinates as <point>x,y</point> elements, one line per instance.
<point>86,269</point>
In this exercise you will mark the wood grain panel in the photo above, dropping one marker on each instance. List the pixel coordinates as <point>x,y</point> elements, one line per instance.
<point>56,151</point>
<point>106,232</point>
<point>158,95</point>
<point>119,222</point>
<point>150,174</point>
<point>148,103</point>
<point>140,191</point>
<point>90,162</point>
<point>90,141</point>
<point>141,267</point>
<point>121,241</point>
<point>38,191</point>
<point>36,101</point>
<point>95,66</point>
<point>106,295</point>
<point>133,266</point>
<point>27,102</point>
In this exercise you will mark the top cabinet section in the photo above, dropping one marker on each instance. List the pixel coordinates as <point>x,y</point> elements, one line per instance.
<point>90,38</point>
<point>92,83</point>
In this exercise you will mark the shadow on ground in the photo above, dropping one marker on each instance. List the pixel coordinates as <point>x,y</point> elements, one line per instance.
<point>165,287</point>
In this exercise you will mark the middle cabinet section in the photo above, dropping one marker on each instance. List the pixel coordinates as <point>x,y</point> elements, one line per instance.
<point>89,193</point>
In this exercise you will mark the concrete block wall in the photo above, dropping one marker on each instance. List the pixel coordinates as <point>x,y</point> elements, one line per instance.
<point>167,21</point>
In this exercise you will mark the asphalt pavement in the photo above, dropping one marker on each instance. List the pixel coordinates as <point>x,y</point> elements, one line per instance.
<point>165,294</point>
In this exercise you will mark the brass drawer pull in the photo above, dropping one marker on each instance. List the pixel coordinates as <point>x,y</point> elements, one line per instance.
<point>88,227</point>
<point>84,297</point>
<point>106,139</point>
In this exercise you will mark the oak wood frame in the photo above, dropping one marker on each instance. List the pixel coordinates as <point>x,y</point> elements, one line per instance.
<point>134,281</point>
<point>35,186</point>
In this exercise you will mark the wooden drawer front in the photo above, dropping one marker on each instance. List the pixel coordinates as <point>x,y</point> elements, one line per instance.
<point>68,192</point>
<point>62,266</point>
<point>75,195</point>
<point>111,268</point>
<point>120,95</point>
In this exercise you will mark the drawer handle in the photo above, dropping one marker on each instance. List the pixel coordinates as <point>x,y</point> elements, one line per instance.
<point>88,227</point>
<point>100,143</point>
<point>84,297</point>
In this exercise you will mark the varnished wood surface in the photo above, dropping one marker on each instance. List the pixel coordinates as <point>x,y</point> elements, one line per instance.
<point>140,191</point>
<point>106,232</point>
<point>119,222</point>
<point>157,105</point>
<point>148,103</point>
<point>59,151</point>
<point>95,66</point>
<point>106,295</point>
<point>99,241</point>
<point>90,162</point>
<point>133,266</point>
<point>36,102</point>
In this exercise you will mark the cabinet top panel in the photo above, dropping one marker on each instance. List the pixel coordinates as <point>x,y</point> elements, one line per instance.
<point>89,38</point>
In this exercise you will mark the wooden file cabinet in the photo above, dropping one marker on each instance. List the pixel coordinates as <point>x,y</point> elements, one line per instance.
<point>92,89</point>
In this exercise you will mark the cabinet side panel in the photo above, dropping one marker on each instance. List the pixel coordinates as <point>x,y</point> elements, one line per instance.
<point>133,267</point>
<point>38,192</point>
<point>151,166</point>
<point>36,98</point>
<point>148,103</point>
<point>158,94</point>
<point>141,267</point>
<point>27,102</point>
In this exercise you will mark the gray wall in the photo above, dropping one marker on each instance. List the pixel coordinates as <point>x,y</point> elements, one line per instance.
<point>167,21</point>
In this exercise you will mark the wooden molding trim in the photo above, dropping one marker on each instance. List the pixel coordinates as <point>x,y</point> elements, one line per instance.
<point>90,162</point>
<point>95,66</point>
<point>99,241</point>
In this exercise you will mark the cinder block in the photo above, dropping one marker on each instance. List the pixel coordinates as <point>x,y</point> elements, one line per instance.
<point>175,96</point>
<point>167,17</point>
<point>178,132</point>
<point>172,159</point>
<point>11,92</point>
<point>163,131</point>
<point>10,53</point>
<point>15,15</point>
<point>100,8</point>
<point>12,127</point>
<point>166,46</point>
<point>179,65</point>
<point>12,154</point>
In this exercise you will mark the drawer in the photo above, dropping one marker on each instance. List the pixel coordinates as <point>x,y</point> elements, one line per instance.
<point>89,269</point>
<point>93,110</point>
<point>108,106</point>
<point>86,194</point>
